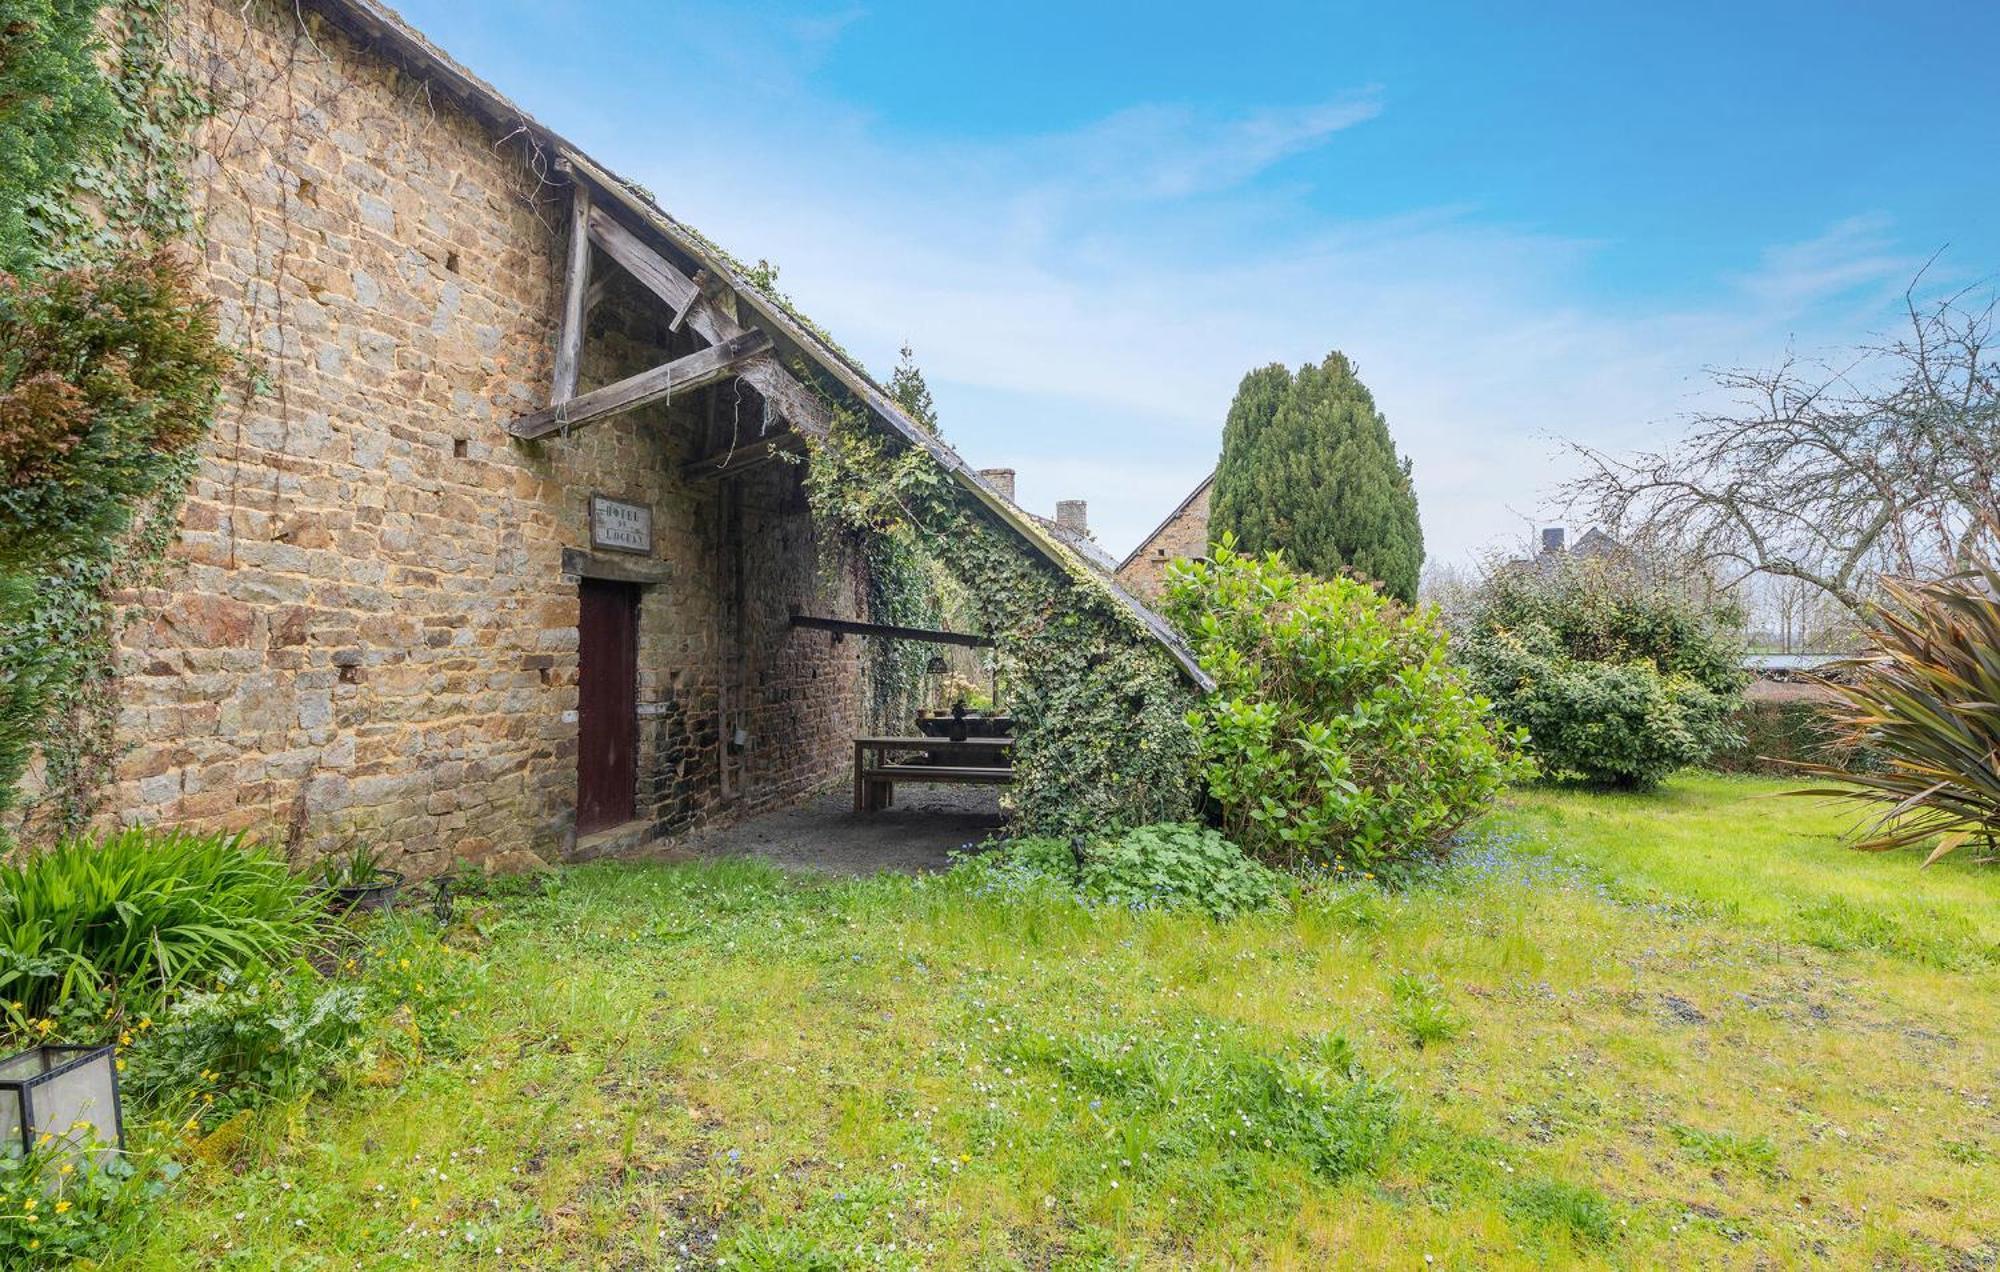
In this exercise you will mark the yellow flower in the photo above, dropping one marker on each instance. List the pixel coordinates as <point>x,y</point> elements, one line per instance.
<point>403,963</point>
<point>121,1066</point>
<point>29,1205</point>
<point>62,1207</point>
<point>47,1137</point>
<point>125,1039</point>
<point>145,1022</point>
<point>66,1169</point>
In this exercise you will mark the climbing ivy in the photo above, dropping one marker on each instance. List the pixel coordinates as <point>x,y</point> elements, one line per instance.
<point>109,367</point>
<point>1100,710</point>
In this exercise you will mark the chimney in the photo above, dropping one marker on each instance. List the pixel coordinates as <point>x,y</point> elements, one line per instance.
<point>1073,515</point>
<point>1001,479</point>
<point>1552,540</point>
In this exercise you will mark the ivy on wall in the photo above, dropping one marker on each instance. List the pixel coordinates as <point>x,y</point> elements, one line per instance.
<point>109,369</point>
<point>1100,710</point>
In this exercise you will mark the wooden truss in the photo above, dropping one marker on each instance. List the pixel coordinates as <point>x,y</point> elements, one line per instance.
<point>700,303</point>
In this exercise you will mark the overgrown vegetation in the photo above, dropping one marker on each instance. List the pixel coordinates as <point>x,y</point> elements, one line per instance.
<point>1924,699</point>
<point>1341,735</point>
<point>1101,738</point>
<point>1617,677</point>
<point>1174,866</point>
<point>674,1064</point>
<point>1308,468</point>
<point>109,367</point>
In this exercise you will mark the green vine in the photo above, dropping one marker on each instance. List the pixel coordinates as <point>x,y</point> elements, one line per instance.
<point>109,368</point>
<point>1100,711</point>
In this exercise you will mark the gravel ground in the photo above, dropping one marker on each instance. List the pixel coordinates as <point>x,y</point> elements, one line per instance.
<point>826,834</point>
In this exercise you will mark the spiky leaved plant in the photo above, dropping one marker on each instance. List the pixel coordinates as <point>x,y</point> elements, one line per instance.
<point>1925,700</point>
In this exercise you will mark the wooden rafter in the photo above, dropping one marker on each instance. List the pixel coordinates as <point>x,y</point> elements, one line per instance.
<point>929,636</point>
<point>738,459</point>
<point>576,283</point>
<point>682,375</point>
<point>800,405</point>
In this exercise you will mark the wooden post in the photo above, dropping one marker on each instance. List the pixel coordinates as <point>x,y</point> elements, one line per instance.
<point>576,284</point>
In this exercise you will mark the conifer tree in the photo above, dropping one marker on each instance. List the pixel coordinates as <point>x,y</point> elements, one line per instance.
<point>1308,467</point>
<point>907,387</point>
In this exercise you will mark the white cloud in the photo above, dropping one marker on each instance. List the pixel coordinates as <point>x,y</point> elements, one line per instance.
<point>1084,302</point>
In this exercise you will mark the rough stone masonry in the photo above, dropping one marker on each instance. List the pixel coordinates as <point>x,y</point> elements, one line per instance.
<point>367,633</point>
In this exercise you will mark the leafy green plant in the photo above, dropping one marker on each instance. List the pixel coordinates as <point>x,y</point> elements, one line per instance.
<point>1924,698</point>
<point>260,1036</point>
<point>136,915</point>
<point>359,867</point>
<point>56,1210</point>
<point>1168,866</point>
<point>1614,677</point>
<point>1422,1011</point>
<point>1340,733</point>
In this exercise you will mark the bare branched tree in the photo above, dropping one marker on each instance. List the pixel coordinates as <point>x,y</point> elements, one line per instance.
<point>1832,474</point>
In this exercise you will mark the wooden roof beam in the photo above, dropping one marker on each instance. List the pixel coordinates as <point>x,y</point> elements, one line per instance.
<point>683,375</point>
<point>797,403</point>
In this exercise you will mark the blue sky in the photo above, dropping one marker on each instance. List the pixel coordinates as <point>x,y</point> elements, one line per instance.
<point>1523,222</point>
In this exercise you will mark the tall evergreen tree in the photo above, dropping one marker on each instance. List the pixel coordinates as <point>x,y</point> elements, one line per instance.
<point>906,385</point>
<point>1308,466</point>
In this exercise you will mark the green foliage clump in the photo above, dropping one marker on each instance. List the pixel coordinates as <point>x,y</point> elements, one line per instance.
<point>58,1213</point>
<point>1576,1213</point>
<point>1170,866</point>
<point>907,386</point>
<point>1101,739</point>
<point>1617,678</point>
<point>1309,468</point>
<point>131,918</point>
<point>1422,1011</point>
<point>259,1036</point>
<point>1340,733</point>
<point>108,367</point>
<point>1924,699</point>
<point>55,109</point>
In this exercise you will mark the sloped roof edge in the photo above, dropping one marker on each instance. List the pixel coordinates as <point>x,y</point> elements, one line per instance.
<point>1168,520</point>
<point>372,20</point>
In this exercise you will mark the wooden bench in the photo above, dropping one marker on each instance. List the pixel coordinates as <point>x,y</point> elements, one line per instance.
<point>876,771</point>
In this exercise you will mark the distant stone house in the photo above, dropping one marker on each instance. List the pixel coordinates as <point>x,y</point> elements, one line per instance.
<point>1184,533</point>
<point>496,556</point>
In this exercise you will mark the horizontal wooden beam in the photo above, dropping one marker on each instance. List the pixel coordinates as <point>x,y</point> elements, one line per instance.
<point>622,569</point>
<point>682,375</point>
<point>738,459</point>
<point>849,627</point>
<point>803,408</point>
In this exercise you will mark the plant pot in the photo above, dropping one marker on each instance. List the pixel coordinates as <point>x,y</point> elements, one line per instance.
<point>364,897</point>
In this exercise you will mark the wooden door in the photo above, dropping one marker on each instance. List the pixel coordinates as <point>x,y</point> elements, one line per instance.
<point>607,725</point>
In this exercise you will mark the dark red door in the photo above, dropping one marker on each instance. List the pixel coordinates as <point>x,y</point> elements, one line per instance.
<point>607,725</point>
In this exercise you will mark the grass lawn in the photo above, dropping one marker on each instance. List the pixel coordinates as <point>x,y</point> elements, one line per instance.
<point>1677,1029</point>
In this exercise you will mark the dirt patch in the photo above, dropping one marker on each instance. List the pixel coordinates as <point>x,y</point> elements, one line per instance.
<point>826,834</point>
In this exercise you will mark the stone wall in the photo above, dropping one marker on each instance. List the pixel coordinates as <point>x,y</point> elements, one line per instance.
<point>366,631</point>
<point>1185,534</point>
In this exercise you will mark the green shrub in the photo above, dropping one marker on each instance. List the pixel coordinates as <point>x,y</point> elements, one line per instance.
<point>1615,678</point>
<point>259,1036</point>
<point>1924,698</point>
<point>1339,730</point>
<point>1172,865</point>
<point>134,916</point>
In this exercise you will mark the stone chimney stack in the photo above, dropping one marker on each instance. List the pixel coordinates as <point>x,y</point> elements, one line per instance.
<point>1552,540</point>
<point>1073,515</point>
<point>1001,479</point>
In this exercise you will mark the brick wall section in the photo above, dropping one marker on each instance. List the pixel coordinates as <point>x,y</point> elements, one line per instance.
<point>1185,534</point>
<point>366,631</point>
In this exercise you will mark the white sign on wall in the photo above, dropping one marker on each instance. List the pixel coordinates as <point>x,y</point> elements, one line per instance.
<point>621,526</point>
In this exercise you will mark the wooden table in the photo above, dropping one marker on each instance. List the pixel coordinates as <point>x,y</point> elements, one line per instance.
<point>876,770</point>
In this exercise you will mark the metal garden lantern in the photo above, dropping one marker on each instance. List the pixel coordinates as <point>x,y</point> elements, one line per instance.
<point>62,1094</point>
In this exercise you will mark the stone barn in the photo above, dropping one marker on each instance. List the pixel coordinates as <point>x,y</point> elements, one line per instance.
<point>502,547</point>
